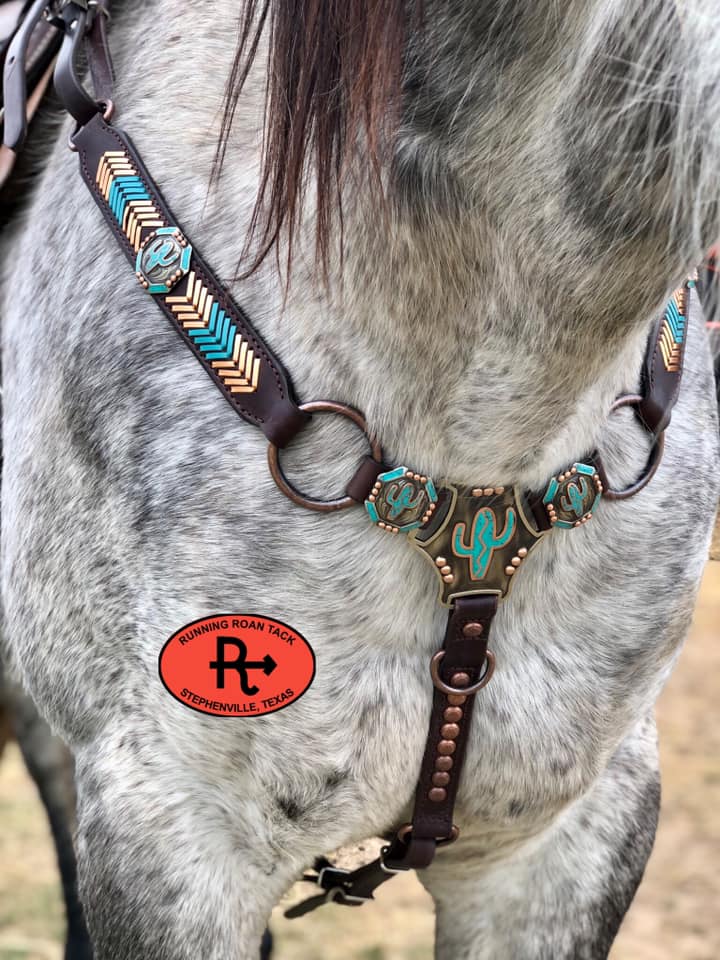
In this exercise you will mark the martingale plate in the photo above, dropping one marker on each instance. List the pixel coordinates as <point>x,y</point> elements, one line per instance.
<point>476,540</point>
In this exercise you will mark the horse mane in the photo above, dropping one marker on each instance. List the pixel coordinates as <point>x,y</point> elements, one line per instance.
<point>333,77</point>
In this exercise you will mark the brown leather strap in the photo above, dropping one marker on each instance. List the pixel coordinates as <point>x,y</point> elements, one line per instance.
<point>98,55</point>
<point>459,669</point>
<point>257,386</point>
<point>662,373</point>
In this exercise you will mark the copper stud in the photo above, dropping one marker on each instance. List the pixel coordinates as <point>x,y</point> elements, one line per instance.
<point>509,571</point>
<point>444,763</point>
<point>460,679</point>
<point>448,578</point>
<point>446,569</point>
<point>446,748</point>
<point>372,498</point>
<point>516,561</point>
<point>473,629</point>
<point>522,552</point>
<point>437,795</point>
<point>440,561</point>
<point>450,731</point>
<point>453,714</point>
<point>477,491</point>
<point>441,779</point>
<point>423,479</point>
<point>456,699</point>
<point>488,491</point>
<point>499,491</point>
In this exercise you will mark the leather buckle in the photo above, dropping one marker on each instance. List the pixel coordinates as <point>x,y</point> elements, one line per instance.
<point>394,855</point>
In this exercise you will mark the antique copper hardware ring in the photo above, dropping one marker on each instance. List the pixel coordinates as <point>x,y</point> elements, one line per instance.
<point>443,687</point>
<point>310,503</point>
<point>654,460</point>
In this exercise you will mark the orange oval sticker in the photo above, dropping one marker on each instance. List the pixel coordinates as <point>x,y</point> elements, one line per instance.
<point>237,665</point>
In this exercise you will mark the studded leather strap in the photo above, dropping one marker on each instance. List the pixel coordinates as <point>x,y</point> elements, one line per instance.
<point>459,670</point>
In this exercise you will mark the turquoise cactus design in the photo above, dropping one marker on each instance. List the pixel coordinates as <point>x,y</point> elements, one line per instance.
<point>484,540</point>
<point>400,498</point>
<point>578,496</point>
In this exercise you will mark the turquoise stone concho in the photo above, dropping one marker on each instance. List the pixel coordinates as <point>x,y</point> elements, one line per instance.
<point>572,497</point>
<point>163,260</point>
<point>477,538</point>
<point>401,500</point>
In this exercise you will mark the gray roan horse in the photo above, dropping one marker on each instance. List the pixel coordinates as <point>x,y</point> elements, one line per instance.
<point>522,187</point>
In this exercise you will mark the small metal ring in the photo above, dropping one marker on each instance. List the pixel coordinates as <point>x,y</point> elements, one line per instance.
<point>321,506</point>
<point>651,467</point>
<point>443,687</point>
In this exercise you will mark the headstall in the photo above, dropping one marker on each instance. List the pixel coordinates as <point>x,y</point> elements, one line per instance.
<point>476,539</point>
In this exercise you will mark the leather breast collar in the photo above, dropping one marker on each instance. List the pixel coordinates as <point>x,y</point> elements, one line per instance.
<point>475,538</point>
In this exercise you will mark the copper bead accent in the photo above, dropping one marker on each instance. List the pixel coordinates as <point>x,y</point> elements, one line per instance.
<point>522,552</point>
<point>448,578</point>
<point>473,629</point>
<point>446,569</point>
<point>450,731</point>
<point>437,795</point>
<point>440,561</point>
<point>444,763</point>
<point>453,714</point>
<point>441,779</point>
<point>509,571</point>
<point>460,679</point>
<point>446,748</point>
<point>456,699</point>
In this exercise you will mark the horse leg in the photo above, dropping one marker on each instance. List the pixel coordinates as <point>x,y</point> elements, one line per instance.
<point>560,895</point>
<point>174,865</point>
<point>50,764</point>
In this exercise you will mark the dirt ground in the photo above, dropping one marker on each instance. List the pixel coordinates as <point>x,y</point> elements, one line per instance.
<point>675,916</point>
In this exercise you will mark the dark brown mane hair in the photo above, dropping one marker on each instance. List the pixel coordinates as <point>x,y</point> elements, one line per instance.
<point>333,80</point>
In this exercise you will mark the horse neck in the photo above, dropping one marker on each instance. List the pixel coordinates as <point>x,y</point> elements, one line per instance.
<point>546,209</point>
<point>485,320</point>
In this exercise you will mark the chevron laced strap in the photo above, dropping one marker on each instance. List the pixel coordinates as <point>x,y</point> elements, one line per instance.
<point>169,268</point>
<point>672,333</point>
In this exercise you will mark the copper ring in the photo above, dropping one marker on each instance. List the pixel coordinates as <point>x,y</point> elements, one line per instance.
<point>654,460</point>
<point>321,506</point>
<point>443,687</point>
<point>405,832</point>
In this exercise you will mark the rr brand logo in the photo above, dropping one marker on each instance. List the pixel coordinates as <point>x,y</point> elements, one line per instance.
<point>237,665</point>
<point>484,540</point>
<point>161,253</point>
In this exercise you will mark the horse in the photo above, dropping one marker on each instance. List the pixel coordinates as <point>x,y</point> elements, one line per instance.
<point>461,219</point>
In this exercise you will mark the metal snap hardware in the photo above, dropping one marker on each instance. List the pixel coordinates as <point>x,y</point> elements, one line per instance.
<point>467,691</point>
<point>654,460</point>
<point>310,503</point>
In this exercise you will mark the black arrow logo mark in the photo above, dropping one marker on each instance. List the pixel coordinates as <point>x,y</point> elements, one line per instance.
<point>240,664</point>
